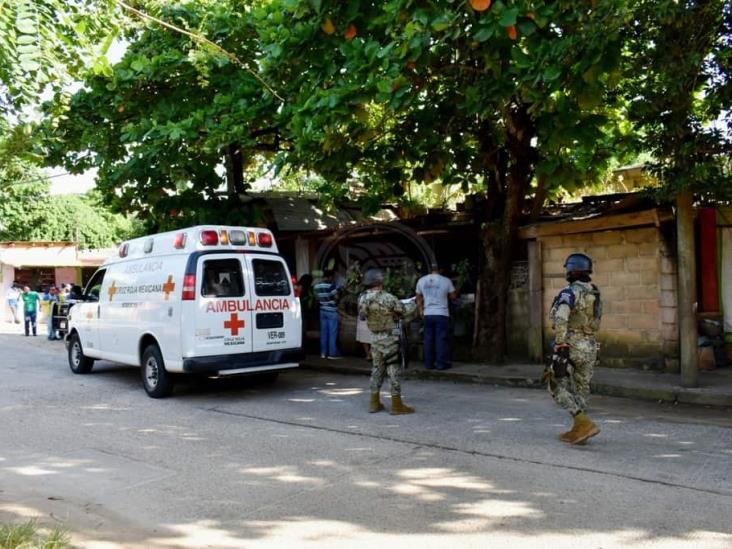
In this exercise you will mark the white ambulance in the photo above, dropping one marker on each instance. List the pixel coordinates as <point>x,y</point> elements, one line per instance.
<point>208,300</point>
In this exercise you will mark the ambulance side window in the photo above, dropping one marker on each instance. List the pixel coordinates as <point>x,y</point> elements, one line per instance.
<point>222,278</point>
<point>94,286</point>
<point>270,278</point>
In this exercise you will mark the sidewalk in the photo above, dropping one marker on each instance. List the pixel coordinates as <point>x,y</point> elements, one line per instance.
<point>715,386</point>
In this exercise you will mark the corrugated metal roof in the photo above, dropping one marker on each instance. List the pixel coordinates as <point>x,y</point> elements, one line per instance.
<point>306,214</point>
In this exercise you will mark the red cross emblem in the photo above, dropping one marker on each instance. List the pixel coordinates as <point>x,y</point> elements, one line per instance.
<point>112,290</point>
<point>168,287</point>
<point>234,324</point>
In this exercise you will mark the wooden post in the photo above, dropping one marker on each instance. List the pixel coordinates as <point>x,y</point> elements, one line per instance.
<point>688,332</point>
<point>536,303</point>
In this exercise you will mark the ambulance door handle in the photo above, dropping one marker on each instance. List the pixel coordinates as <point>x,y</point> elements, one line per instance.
<point>98,310</point>
<point>170,311</point>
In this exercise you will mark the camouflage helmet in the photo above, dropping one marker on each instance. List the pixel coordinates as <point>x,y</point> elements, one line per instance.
<point>373,277</point>
<point>578,263</point>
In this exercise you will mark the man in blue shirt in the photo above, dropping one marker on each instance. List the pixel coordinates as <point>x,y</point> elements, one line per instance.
<point>326,292</point>
<point>434,293</point>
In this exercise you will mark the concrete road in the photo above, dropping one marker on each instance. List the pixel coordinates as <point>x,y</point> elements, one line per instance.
<point>300,463</point>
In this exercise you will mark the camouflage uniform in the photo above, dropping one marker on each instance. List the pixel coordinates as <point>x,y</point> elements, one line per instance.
<point>576,314</point>
<point>381,310</point>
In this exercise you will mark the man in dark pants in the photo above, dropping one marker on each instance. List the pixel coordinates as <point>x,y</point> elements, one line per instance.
<point>327,292</point>
<point>31,301</point>
<point>434,292</point>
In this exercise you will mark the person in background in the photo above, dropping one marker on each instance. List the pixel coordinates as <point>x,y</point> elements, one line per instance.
<point>11,296</point>
<point>30,309</point>
<point>434,292</point>
<point>304,289</point>
<point>326,292</point>
<point>52,298</point>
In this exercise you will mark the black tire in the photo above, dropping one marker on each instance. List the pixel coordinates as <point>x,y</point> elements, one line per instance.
<point>78,362</point>
<point>156,380</point>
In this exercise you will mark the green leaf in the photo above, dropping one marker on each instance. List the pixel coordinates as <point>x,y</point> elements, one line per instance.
<point>552,73</point>
<point>441,23</point>
<point>483,34</point>
<point>26,39</point>
<point>29,65</point>
<point>509,17</point>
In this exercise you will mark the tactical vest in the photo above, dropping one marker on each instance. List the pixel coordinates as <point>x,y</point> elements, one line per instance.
<point>379,308</point>
<point>586,311</point>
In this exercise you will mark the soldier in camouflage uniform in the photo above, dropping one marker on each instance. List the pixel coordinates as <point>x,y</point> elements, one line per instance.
<point>576,314</point>
<point>381,310</point>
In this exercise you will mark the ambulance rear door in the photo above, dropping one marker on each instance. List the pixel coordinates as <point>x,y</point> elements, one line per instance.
<point>222,312</point>
<point>275,309</point>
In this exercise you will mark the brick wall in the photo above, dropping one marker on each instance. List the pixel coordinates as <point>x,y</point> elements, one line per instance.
<point>636,274</point>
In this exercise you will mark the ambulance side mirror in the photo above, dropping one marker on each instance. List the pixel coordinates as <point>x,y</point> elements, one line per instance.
<point>76,293</point>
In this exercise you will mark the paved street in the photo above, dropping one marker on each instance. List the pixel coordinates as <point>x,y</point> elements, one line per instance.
<point>300,463</point>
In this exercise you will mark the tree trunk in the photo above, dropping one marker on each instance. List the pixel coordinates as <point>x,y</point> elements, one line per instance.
<point>499,240</point>
<point>234,171</point>
<point>512,181</point>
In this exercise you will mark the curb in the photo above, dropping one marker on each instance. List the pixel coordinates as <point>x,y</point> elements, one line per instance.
<point>671,394</point>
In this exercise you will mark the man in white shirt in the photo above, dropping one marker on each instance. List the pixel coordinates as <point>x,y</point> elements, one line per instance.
<point>434,294</point>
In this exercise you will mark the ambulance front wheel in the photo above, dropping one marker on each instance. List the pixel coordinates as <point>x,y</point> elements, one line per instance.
<point>157,381</point>
<point>78,362</point>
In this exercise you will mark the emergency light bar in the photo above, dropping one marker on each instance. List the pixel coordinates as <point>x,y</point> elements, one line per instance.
<point>209,238</point>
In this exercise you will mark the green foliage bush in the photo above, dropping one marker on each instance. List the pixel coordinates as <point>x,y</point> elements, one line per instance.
<point>26,536</point>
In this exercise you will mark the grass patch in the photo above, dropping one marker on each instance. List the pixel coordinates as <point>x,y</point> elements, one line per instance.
<point>26,536</point>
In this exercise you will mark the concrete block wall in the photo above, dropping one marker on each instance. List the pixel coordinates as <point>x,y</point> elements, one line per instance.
<point>636,274</point>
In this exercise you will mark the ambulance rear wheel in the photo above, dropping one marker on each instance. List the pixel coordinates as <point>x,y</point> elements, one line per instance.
<point>157,381</point>
<point>78,362</point>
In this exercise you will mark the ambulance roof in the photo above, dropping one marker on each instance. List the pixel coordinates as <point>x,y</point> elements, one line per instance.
<point>199,238</point>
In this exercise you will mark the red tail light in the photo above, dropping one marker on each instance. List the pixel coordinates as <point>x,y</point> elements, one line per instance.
<point>209,238</point>
<point>265,240</point>
<point>180,241</point>
<point>189,287</point>
<point>296,286</point>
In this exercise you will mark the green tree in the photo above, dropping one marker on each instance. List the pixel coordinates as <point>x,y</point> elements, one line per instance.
<point>29,212</point>
<point>678,85</point>
<point>171,119</point>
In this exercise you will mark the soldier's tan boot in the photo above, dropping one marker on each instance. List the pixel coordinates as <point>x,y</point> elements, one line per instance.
<point>567,436</point>
<point>586,428</point>
<point>398,407</point>
<point>375,405</point>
